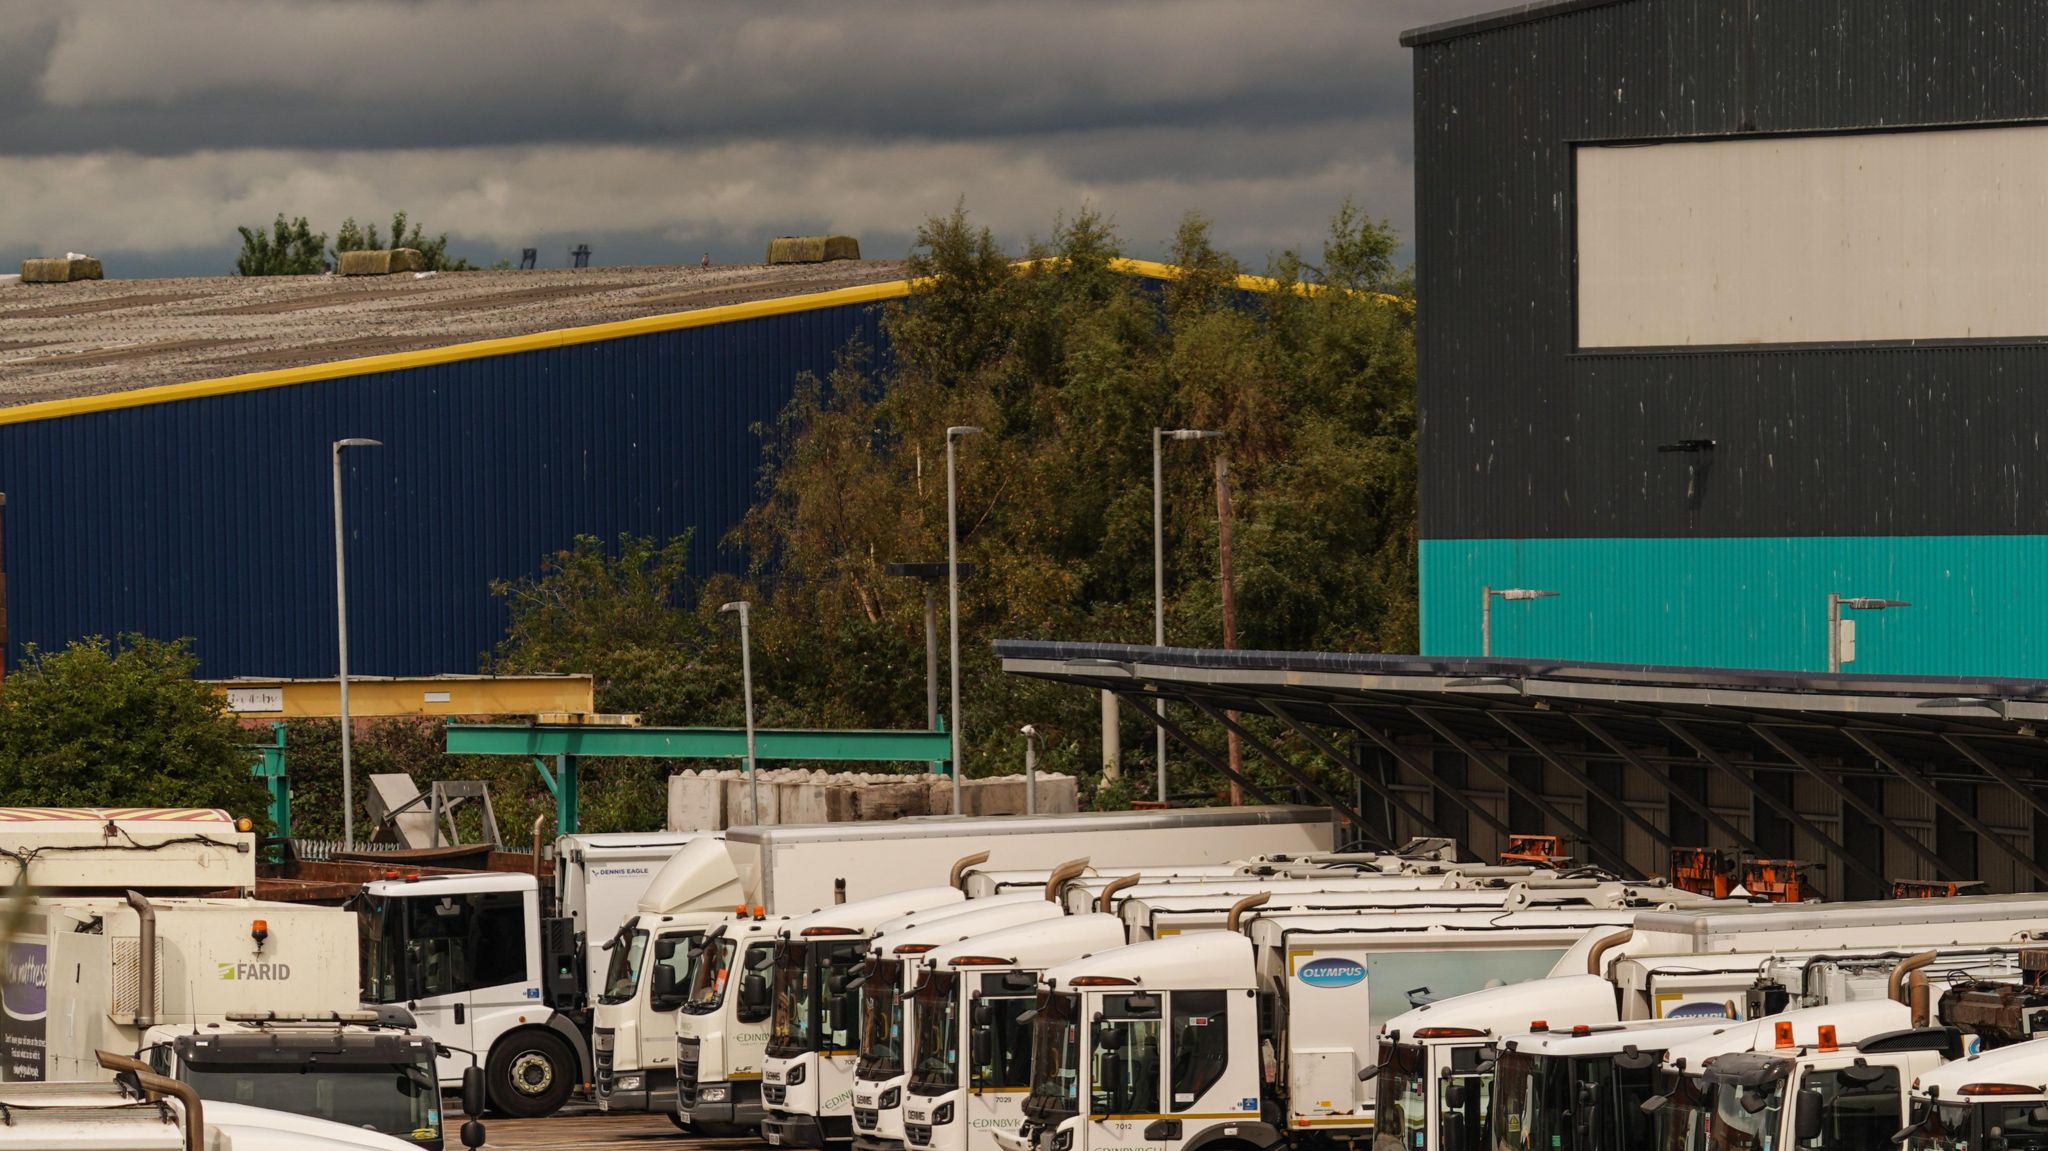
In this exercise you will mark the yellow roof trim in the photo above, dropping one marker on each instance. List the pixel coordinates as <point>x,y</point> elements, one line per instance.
<point>539,341</point>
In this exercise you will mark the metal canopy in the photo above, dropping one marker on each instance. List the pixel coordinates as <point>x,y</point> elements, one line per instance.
<point>564,744</point>
<point>1642,718</point>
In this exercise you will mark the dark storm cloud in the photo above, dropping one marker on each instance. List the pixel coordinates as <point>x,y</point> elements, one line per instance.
<point>481,116</point>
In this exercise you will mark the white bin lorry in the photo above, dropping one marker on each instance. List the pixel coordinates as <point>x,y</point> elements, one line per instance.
<point>119,944</point>
<point>972,1048</point>
<point>722,1025</point>
<point>1993,1101</point>
<point>813,1037</point>
<point>490,962</point>
<point>897,964</point>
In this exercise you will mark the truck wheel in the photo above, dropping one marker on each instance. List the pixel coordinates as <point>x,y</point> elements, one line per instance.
<point>530,1074</point>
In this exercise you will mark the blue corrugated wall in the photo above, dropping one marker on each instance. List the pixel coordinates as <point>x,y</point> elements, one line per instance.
<point>211,518</point>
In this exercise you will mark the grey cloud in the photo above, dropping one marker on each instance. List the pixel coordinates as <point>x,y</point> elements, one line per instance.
<point>658,130</point>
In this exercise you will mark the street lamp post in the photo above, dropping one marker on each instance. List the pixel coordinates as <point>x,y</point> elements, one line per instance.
<point>1842,632</point>
<point>348,775</point>
<point>1159,436</point>
<point>953,435</point>
<point>1030,769</point>
<point>747,689</point>
<point>1486,595</point>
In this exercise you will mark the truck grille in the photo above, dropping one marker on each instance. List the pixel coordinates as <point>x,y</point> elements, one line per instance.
<point>866,1118</point>
<point>686,1072</point>
<point>917,1134</point>
<point>774,1094</point>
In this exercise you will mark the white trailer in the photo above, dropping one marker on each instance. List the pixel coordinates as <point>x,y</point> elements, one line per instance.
<point>972,1046</point>
<point>897,964</point>
<point>793,870</point>
<point>599,880</point>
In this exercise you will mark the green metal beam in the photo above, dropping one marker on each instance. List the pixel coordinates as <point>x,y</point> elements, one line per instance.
<point>556,740</point>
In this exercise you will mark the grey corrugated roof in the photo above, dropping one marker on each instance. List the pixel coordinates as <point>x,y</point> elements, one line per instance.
<point>1488,21</point>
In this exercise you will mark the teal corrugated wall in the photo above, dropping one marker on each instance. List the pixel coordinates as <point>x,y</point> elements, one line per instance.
<point>1980,603</point>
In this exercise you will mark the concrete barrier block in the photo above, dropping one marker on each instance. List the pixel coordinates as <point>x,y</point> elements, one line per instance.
<point>739,813</point>
<point>905,797</point>
<point>696,802</point>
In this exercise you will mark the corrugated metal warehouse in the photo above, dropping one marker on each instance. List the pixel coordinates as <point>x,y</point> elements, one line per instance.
<point>203,509</point>
<point>1808,232</point>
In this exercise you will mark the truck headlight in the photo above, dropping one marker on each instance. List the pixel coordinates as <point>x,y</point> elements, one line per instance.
<point>891,1098</point>
<point>1063,1139</point>
<point>943,1115</point>
<point>629,1083</point>
<point>712,1095</point>
<point>794,1076</point>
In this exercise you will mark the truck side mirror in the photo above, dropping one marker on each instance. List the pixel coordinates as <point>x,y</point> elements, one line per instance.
<point>2039,1115</point>
<point>664,994</point>
<point>1109,1037</point>
<point>984,1047</point>
<point>1160,1130</point>
<point>1019,980</point>
<point>983,1015</point>
<point>1142,1004</point>
<point>753,994</point>
<point>1807,1115</point>
<point>472,1092</point>
<point>1368,1073</point>
<point>1454,1133</point>
<point>1454,1096</point>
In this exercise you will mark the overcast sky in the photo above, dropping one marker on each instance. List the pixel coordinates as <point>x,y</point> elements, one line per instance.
<point>143,131</point>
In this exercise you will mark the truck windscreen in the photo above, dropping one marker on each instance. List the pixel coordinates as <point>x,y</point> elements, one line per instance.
<point>622,974</point>
<point>938,1035</point>
<point>398,1099</point>
<point>416,946</point>
<point>881,1021</point>
<point>1055,1058</point>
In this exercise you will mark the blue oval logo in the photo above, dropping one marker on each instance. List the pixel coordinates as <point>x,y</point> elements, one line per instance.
<point>1331,973</point>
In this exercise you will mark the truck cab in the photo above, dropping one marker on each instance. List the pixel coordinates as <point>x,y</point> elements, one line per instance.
<point>366,1077</point>
<point>1992,1101</point>
<point>722,1026</point>
<point>971,1049</point>
<point>1832,1076</point>
<point>633,1029</point>
<point>1578,1088</point>
<point>896,966</point>
<point>1152,1045</point>
<point>814,1037</point>
<point>463,953</point>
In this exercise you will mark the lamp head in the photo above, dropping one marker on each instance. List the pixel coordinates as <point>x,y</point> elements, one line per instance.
<point>357,442</point>
<point>738,605</point>
<point>954,433</point>
<point>1524,593</point>
<point>1193,434</point>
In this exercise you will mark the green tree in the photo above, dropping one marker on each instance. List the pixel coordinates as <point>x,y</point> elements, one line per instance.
<point>122,724</point>
<point>355,238</point>
<point>622,614</point>
<point>288,249</point>
<point>1066,363</point>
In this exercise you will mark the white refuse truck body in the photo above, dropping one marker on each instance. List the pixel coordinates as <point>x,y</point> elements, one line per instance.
<point>897,964</point>
<point>793,870</point>
<point>972,1061</point>
<point>633,1031</point>
<point>1158,916</point>
<point>599,881</point>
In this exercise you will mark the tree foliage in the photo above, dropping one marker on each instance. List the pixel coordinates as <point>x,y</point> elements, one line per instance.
<point>294,249</point>
<point>1067,364</point>
<point>356,238</point>
<point>288,249</point>
<point>122,724</point>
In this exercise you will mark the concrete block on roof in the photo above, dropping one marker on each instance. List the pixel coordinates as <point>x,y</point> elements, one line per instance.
<point>60,269</point>
<point>381,262</point>
<point>812,249</point>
